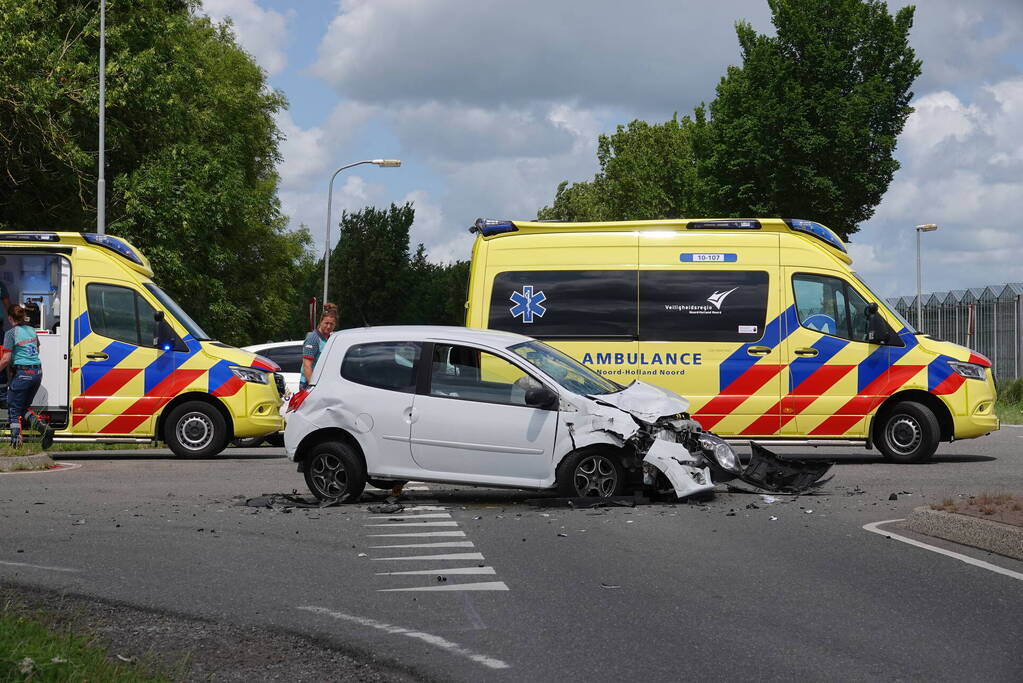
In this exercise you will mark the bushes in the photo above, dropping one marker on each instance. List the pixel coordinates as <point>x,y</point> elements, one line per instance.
<point>1011,392</point>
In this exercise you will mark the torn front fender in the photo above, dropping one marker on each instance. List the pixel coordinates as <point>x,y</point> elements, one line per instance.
<point>767,471</point>
<point>682,470</point>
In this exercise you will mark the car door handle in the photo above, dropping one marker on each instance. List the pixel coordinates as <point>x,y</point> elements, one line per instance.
<point>806,352</point>
<point>97,356</point>
<point>758,350</point>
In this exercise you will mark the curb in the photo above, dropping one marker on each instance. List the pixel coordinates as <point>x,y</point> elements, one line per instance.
<point>25,463</point>
<point>995,537</point>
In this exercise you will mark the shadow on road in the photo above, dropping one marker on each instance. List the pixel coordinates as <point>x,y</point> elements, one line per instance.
<point>161,455</point>
<point>860,459</point>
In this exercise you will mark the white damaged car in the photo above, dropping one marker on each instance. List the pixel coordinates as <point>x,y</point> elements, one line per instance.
<point>465,406</point>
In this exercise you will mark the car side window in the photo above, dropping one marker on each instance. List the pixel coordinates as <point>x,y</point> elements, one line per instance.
<point>385,365</point>
<point>289,358</point>
<point>470,374</point>
<point>120,313</point>
<point>830,305</point>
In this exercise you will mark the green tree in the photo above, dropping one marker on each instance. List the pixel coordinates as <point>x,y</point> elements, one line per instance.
<point>191,151</point>
<point>807,126</point>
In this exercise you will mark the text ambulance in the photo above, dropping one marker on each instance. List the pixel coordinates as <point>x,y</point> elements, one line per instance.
<point>760,323</point>
<point>121,360</point>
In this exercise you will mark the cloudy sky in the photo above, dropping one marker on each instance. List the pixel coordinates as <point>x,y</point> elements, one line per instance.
<point>490,105</point>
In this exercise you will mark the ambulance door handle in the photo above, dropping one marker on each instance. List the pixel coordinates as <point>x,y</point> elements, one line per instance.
<point>97,356</point>
<point>807,352</point>
<point>758,350</point>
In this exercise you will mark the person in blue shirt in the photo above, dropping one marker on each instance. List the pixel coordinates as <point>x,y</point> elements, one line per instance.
<point>314,343</point>
<point>21,352</point>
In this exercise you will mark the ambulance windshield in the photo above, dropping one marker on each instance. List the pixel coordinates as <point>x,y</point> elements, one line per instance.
<point>891,309</point>
<point>179,314</point>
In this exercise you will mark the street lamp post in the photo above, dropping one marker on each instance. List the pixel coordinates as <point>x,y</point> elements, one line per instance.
<point>101,189</point>
<point>383,163</point>
<point>927,227</point>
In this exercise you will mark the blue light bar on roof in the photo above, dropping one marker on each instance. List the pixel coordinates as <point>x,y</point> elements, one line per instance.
<point>723,225</point>
<point>817,230</point>
<point>488,228</point>
<point>113,244</point>
<point>30,236</point>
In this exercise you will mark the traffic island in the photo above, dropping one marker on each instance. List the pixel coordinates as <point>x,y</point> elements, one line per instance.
<point>29,462</point>
<point>987,534</point>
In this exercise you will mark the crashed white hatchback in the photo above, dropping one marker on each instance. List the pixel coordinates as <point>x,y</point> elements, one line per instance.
<point>457,405</point>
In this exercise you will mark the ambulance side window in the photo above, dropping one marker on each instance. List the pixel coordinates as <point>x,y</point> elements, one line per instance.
<point>830,305</point>
<point>120,313</point>
<point>702,305</point>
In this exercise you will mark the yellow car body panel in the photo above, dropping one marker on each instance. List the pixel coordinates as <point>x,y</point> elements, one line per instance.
<point>622,298</point>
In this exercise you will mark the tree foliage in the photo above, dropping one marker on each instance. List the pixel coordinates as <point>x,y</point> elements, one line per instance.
<point>376,280</point>
<point>191,151</point>
<point>805,128</point>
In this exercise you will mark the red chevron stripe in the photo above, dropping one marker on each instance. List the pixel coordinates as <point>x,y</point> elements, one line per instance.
<point>125,424</point>
<point>736,393</point>
<point>808,391</point>
<point>157,398</point>
<point>229,388</point>
<point>949,385</point>
<point>873,395</point>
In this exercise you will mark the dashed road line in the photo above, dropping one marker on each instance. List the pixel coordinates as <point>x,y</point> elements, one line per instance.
<point>442,544</point>
<point>428,515</point>
<point>485,586</point>
<point>447,571</point>
<point>429,638</point>
<point>419,524</point>
<point>873,528</point>
<point>448,556</point>
<point>419,534</point>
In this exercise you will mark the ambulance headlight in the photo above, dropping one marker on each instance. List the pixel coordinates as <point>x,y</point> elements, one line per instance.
<point>967,370</point>
<point>249,374</point>
<point>722,453</point>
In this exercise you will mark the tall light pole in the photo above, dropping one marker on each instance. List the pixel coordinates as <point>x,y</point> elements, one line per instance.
<point>383,163</point>
<point>101,184</point>
<point>927,227</point>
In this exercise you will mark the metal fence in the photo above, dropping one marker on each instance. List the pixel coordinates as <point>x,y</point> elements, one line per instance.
<point>985,319</point>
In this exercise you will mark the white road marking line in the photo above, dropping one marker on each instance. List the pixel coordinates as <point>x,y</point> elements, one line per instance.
<point>485,586</point>
<point>446,544</point>
<point>428,515</point>
<point>424,508</point>
<point>449,556</point>
<point>419,524</point>
<point>873,527</point>
<point>446,571</point>
<point>421,534</point>
<point>436,641</point>
<point>39,566</point>
<point>415,488</point>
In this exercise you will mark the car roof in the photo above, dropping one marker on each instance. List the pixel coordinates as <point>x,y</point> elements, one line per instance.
<point>431,333</point>
<point>256,348</point>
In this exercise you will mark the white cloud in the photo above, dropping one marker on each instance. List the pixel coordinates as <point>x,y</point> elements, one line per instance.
<point>262,32</point>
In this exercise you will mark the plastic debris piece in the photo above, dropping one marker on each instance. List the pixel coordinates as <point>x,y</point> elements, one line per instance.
<point>769,499</point>
<point>808,512</point>
<point>78,522</point>
<point>730,514</point>
<point>442,579</point>
<point>478,517</point>
<point>609,585</point>
<point>563,535</point>
<point>773,518</point>
<point>362,555</point>
<point>130,660</point>
<point>894,496</point>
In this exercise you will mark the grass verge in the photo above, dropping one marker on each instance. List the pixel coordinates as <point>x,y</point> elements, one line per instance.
<point>1009,413</point>
<point>31,651</point>
<point>1009,405</point>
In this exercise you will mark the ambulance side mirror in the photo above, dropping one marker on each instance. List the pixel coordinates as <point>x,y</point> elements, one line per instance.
<point>166,338</point>
<point>878,331</point>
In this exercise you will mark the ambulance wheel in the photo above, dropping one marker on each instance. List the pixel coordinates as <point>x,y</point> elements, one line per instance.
<point>196,430</point>
<point>908,432</point>
<point>333,471</point>
<point>589,473</point>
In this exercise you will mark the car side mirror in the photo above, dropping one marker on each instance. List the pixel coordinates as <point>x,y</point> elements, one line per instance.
<point>541,397</point>
<point>878,331</point>
<point>166,338</point>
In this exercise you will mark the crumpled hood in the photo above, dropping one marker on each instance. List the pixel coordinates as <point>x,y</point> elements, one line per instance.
<point>646,401</point>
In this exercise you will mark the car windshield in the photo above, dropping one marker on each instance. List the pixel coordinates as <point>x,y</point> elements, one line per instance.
<point>565,370</point>
<point>891,309</point>
<point>179,314</point>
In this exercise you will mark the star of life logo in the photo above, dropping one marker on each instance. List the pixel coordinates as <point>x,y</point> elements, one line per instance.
<point>718,298</point>
<point>527,304</point>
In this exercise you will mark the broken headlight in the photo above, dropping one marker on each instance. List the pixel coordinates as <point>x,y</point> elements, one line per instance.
<point>722,453</point>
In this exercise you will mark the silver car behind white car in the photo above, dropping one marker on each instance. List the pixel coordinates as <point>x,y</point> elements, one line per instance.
<point>458,405</point>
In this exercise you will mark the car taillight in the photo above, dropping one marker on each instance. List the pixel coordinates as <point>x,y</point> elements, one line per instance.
<point>297,400</point>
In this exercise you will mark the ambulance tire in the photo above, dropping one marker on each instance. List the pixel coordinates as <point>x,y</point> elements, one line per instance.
<point>907,432</point>
<point>591,473</point>
<point>196,430</point>
<point>334,471</point>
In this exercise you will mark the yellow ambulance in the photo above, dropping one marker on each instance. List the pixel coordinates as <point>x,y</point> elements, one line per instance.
<point>122,362</point>
<point>762,324</point>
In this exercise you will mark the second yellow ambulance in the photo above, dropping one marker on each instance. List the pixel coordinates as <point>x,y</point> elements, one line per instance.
<point>762,324</point>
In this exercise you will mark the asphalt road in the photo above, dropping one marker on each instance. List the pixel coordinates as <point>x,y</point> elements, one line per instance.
<point>737,587</point>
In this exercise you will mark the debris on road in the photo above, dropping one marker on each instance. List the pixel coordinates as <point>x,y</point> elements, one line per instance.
<point>284,502</point>
<point>387,508</point>
<point>609,585</point>
<point>589,502</point>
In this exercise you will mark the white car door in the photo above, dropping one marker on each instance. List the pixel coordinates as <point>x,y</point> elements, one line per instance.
<point>474,420</point>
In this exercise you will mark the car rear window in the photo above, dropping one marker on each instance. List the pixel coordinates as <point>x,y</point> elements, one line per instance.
<point>385,365</point>
<point>288,357</point>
